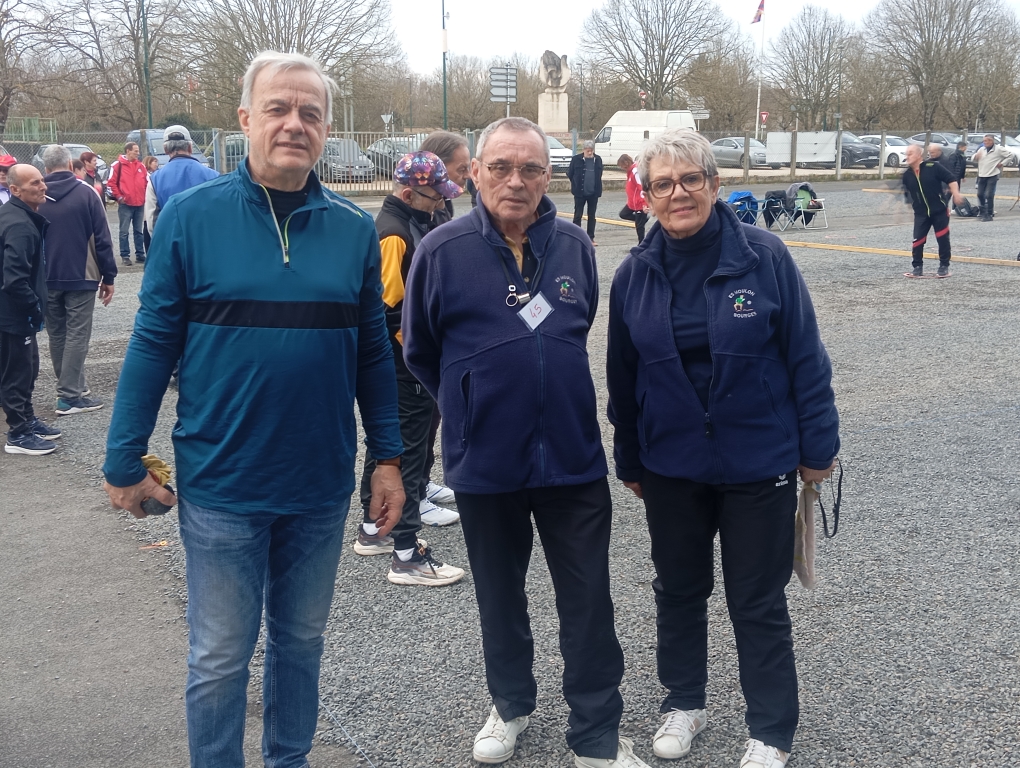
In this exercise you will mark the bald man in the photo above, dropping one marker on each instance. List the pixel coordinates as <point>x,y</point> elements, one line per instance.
<point>22,298</point>
<point>923,180</point>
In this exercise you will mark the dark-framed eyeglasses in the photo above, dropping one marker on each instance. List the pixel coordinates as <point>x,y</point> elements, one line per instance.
<point>436,200</point>
<point>528,172</point>
<point>691,182</point>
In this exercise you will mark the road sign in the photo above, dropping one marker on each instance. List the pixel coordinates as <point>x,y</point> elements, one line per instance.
<point>700,114</point>
<point>503,99</point>
<point>386,119</point>
<point>503,71</point>
<point>696,104</point>
<point>764,116</point>
<point>503,91</point>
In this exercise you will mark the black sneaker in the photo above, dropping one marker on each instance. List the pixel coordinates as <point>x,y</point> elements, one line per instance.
<point>44,430</point>
<point>81,405</point>
<point>139,259</point>
<point>918,272</point>
<point>943,271</point>
<point>126,262</point>
<point>30,444</point>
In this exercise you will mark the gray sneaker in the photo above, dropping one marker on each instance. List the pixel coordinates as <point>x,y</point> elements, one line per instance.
<point>372,544</point>
<point>422,569</point>
<point>80,405</point>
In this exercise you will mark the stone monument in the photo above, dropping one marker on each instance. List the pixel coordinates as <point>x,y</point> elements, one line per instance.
<point>552,105</point>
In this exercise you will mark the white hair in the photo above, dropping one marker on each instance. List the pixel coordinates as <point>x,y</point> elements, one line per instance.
<point>680,145</point>
<point>56,157</point>
<point>276,62</point>
<point>515,124</point>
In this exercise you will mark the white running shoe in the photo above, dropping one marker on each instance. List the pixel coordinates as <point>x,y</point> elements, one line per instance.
<point>679,728</point>
<point>433,515</point>
<point>759,755</point>
<point>439,494</point>
<point>625,758</point>
<point>496,742</point>
<point>422,569</point>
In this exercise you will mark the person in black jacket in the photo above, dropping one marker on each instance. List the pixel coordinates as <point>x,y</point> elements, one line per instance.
<point>421,186</point>
<point>922,181</point>
<point>22,302</point>
<point>956,164</point>
<point>585,174</point>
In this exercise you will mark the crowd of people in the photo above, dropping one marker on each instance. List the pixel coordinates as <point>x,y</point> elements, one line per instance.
<point>282,306</point>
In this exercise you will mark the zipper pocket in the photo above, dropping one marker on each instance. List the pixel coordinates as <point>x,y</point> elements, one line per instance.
<point>465,391</point>
<point>775,411</point>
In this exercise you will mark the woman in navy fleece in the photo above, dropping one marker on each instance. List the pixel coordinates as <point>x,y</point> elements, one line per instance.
<point>720,391</point>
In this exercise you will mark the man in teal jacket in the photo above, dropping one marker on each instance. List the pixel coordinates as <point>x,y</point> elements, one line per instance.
<point>267,288</point>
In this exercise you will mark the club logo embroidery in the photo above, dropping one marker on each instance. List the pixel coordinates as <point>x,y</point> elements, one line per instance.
<point>566,285</point>
<point>742,302</point>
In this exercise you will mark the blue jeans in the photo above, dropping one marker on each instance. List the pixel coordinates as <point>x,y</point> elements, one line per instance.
<point>236,563</point>
<point>130,216</point>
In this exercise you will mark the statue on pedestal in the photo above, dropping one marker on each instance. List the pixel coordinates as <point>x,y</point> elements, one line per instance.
<point>552,104</point>
<point>555,72</point>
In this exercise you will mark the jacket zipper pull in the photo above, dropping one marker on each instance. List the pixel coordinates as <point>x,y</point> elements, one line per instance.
<point>708,425</point>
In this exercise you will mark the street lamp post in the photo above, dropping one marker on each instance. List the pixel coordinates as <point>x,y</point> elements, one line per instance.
<point>145,63</point>
<point>446,125</point>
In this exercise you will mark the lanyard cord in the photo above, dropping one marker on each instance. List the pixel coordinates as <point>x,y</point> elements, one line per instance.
<point>513,298</point>
<point>837,501</point>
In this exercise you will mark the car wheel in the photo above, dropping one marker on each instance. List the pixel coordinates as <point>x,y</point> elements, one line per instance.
<point>847,160</point>
<point>870,164</point>
<point>893,161</point>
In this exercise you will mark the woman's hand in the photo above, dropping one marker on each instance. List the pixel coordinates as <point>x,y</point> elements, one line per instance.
<point>636,487</point>
<point>815,475</point>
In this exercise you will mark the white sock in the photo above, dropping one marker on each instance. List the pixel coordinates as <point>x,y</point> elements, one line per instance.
<point>370,528</point>
<point>404,554</point>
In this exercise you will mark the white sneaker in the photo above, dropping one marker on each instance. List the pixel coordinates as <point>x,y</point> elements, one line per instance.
<point>496,742</point>
<point>625,758</point>
<point>439,494</point>
<point>433,515</point>
<point>759,755</point>
<point>679,728</point>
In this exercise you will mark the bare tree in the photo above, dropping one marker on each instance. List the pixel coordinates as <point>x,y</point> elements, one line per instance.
<point>19,35</point>
<point>805,61</point>
<point>725,77</point>
<point>651,43</point>
<point>984,92</point>
<point>932,43</point>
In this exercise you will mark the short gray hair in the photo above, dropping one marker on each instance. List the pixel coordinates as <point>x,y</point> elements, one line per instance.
<point>588,144</point>
<point>515,124</point>
<point>680,145</point>
<point>176,145</point>
<point>56,157</point>
<point>444,144</point>
<point>277,62</point>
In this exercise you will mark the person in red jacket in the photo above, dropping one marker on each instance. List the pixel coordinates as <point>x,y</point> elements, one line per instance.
<point>636,209</point>
<point>128,179</point>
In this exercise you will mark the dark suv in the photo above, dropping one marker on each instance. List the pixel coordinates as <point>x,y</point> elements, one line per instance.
<point>857,152</point>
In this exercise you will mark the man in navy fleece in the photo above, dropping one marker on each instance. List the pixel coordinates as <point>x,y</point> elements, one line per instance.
<point>277,321</point>
<point>496,316</point>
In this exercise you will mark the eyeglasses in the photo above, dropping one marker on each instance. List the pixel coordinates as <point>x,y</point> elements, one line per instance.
<point>691,182</point>
<point>501,171</point>
<point>436,200</point>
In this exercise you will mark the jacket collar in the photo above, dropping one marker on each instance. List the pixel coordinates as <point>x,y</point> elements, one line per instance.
<point>736,257</point>
<point>37,218</point>
<point>540,234</point>
<point>397,207</point>
<point>255,192</point>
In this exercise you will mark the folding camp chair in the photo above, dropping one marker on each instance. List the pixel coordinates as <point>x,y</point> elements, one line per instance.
<point>776,210</point>
<point>745,205</point>
<point>809,211</point>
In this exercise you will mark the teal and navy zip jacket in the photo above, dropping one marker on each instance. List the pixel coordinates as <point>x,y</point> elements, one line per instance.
<point>278,329</point>
<point>518,405</point>
<point>770,404</point>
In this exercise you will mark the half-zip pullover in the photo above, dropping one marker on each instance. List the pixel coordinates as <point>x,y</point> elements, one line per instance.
<point>925,187</point>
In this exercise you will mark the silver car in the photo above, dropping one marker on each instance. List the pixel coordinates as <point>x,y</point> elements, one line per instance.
<point>729,152</point>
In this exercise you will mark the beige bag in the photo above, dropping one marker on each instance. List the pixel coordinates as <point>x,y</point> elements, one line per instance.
<point>804,536</point>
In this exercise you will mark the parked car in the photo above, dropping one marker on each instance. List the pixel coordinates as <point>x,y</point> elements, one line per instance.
<point>944,138</point>
<point>976,140</point>
<point>895,148</point>
<point>857,152</point>
<point>386,153</point>
<point>343,160</point>
<point>154,137</point>
<point>729,152</point>
<point>559,155</point>
<point>102,169</point>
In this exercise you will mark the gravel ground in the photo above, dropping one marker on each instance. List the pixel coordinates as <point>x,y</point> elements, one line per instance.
<point>907,650</point>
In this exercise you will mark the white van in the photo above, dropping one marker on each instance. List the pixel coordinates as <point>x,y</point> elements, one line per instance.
<point>627,132</point>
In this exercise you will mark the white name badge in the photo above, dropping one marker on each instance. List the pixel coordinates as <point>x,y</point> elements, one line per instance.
<point>536,311</point>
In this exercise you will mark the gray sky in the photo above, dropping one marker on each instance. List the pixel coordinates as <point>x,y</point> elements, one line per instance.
<point>486,28</point>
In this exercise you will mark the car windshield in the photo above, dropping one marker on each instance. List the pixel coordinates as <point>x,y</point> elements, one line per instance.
<point>554,143</point>
<point>343,149</point>
<point>740,142</point>
<point>847,136</point>
<point>1011,142</point>
<point>895,141</point>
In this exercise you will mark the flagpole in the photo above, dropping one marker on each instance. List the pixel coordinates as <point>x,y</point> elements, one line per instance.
<point>761,56</point>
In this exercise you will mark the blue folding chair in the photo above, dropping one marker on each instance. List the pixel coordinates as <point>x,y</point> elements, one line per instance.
<point>745,205</point>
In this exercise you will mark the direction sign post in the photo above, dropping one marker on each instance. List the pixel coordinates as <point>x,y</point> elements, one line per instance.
<point>503,85</point>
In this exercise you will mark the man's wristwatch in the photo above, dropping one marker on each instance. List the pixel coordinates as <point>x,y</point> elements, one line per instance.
<point>394,462</point>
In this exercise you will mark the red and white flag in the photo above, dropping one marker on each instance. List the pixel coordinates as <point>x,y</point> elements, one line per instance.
<point>759,12</point>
